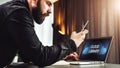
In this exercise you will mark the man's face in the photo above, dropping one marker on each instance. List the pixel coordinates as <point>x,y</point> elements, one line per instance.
<point>42,10</point>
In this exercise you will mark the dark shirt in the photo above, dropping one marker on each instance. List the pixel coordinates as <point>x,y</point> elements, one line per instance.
<point>17,34</point>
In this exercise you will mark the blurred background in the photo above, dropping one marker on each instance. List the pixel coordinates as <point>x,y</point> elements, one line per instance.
<point>104,17</point>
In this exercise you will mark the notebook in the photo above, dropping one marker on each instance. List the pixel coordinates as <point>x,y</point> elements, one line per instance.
<point>94,51</point>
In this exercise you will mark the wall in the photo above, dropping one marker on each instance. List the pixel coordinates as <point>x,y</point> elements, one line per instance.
<point>3,1</point>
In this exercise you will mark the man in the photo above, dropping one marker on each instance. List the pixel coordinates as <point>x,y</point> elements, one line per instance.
<point>17,34</point>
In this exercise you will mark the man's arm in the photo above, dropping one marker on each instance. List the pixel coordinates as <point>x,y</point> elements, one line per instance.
<point>21,28</point>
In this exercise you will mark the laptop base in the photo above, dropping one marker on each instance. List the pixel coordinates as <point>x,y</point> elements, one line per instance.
<point>85,62</point>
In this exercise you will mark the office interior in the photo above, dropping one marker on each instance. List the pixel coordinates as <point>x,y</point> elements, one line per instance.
<point>103,16</point>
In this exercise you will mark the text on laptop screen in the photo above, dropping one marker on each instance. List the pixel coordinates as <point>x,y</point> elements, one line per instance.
<point>95,49</point>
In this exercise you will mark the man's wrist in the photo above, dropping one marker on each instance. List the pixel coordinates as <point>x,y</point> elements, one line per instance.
<point>73,46</point>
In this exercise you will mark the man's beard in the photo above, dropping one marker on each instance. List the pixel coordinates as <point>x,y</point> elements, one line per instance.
<point>37,14</point>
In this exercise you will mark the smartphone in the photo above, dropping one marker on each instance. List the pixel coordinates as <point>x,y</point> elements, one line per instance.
<point>85,25</point>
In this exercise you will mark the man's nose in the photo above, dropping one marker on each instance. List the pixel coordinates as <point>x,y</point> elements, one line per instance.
<point>49,10</point>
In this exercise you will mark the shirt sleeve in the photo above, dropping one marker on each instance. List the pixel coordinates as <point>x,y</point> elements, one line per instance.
<point>21,29</point>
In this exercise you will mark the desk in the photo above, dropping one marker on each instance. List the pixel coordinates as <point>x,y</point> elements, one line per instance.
<point>85,66</point>
<point>63,64</point>
<point>60,64</point>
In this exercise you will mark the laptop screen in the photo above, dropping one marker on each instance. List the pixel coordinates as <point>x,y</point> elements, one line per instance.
<point>95,49</point>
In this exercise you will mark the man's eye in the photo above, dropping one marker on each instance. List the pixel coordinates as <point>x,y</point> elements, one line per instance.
<point>49,3</point>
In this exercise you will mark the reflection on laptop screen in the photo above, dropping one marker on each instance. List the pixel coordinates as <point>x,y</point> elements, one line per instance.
<point>95,49</point>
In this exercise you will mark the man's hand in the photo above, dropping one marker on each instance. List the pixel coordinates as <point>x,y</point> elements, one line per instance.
<point>73,56</point>
<point>78,38</point>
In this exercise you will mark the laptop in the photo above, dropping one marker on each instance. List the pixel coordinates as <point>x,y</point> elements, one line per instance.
<point>94,51</point>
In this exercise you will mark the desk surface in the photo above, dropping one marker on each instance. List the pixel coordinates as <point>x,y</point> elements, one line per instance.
<point>63,64</point>
<point>85,66</point>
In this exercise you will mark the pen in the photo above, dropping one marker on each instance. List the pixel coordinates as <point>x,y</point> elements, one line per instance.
<point>85,25</point>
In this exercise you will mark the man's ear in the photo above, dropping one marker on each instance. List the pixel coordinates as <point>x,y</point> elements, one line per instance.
<point>34,3</point>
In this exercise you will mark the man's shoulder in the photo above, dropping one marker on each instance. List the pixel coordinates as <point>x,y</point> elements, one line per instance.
<point>10,7</point>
